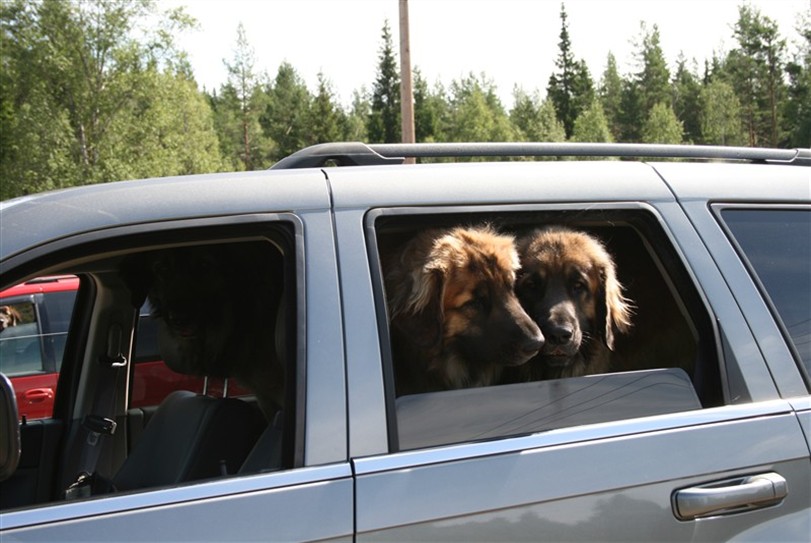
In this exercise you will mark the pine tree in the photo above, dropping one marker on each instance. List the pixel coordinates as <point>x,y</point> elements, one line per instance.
<point>384,118</point>
<point>570,87</point>
<point>797,108</point>
<point>327,119</point>
<point>286,114</point>
<point>662,125</point>
<point>755,68</point>
<point>592,125</point>
<point>686,100</point>
<point>720,114</point>
<point>610,93</point>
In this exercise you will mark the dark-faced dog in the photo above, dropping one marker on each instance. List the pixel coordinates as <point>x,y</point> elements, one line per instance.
<point>216,312</point>
<point>455,319</point>
<point>568,285</point>
<point>8,317</point>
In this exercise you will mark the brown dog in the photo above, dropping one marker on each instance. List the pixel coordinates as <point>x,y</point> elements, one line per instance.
<point>8,317</point>
<point>216,310</point>
<point>568,285</point>
<point>455,319</point>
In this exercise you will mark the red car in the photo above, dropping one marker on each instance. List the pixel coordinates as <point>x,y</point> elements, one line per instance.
<point>34,321</point>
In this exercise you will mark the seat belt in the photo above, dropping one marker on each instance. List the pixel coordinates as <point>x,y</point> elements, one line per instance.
<point>100,424</point>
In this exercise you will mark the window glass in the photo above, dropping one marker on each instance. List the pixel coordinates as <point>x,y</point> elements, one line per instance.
<point>503,325</point>
<point>20,339</point>
<point>777,244</point>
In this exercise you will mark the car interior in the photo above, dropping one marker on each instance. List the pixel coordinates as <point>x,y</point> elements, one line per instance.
<point>240,304</point>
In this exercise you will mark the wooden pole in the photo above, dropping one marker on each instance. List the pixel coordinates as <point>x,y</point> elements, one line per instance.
<point>406,88</point>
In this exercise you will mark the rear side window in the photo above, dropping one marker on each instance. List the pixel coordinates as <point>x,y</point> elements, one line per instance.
<point>777,244</point>
<point>508,324</point>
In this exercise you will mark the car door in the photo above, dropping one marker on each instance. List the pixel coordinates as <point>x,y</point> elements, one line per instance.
<point>300,489</point>
<point>732,465</point>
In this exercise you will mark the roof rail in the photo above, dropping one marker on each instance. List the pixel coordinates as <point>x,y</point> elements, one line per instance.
<point>361,154</point>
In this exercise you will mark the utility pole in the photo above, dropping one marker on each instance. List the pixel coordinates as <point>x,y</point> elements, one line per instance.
<point>406,89</point>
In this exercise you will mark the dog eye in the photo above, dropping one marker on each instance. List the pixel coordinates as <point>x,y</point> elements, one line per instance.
<point>579,286</point>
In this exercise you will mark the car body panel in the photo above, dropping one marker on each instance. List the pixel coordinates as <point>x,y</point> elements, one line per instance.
<point>275,506</point>
<point>581,479</point>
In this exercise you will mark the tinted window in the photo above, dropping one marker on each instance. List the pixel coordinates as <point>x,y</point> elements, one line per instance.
<point>777,244</point>
<point>20,346</point>
<point>58,309</point>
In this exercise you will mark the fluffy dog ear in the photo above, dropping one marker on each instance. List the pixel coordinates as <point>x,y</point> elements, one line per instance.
<point>614,309</point>
<point>422,319</point>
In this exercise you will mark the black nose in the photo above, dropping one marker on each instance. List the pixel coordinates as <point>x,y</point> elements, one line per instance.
<point>558,334</point>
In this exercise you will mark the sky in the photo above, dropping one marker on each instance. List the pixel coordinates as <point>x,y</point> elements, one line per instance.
<point>512,42</point>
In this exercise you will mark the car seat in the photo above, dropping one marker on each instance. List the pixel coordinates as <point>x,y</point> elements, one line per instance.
<point>191,437</point>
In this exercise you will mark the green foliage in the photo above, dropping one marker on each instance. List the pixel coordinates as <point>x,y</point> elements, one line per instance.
<point>720,116</point>
<point>98,91</point>
<point>686,100</point>
<point>592,125</point>
<point>570,87</point>
<point>476,113</point>
<point>755,69</point>
<point>797,107</point>
<point>534,119</point>
<point>662,125</point>
<point>610,94</point>
<point>384,117</point>
<point>83,101</point>
<point>286,115</point>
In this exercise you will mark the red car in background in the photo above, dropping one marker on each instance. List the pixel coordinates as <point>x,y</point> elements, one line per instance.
<point>34,321</point>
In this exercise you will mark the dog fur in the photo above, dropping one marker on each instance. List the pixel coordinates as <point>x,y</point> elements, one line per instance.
<point>8,317</point>
<point>455,319</point>
<point>568,285</point>
<point>216,311</point>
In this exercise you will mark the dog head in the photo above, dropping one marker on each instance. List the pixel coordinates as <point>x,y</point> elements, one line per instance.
<point>568,285</point>
<point>8,317</point>
<point>452,292</point>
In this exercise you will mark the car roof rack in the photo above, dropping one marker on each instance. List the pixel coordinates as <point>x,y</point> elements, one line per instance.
<point>361,154</point>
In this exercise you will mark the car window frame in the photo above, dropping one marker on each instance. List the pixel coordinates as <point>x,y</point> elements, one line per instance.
<point>717,209</point>
<point>449,216</point>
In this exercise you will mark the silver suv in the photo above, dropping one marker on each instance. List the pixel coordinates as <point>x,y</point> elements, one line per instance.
<point>697,427</point>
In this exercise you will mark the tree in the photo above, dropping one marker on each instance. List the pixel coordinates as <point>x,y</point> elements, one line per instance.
<point>327,119</point>
<point>653,79</point>
<point>244,89</point>
<point>430,110</point>
<point>384,117</point>
<point>592,125</point>
<point>355,126</point>
<point>662,125</point>
<point>476,112</point>
<point>610,94</point>
<point>73,74</point>
<point>797,108</point>
<point>570,87</point>
<point>755,68</point>
<point>720,114</point>
<point>287,112</point>
<point>686,100</point>
<point>534,119</point>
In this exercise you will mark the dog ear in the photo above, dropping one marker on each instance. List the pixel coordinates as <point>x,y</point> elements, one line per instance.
<point>423,318</point>
<point>613,309</point>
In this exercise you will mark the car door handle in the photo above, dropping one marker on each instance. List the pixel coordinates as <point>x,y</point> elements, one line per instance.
<point>37,395</point>
<point>730,496</point>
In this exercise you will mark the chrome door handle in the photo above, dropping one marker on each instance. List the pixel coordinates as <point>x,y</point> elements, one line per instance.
<point>730,496</point>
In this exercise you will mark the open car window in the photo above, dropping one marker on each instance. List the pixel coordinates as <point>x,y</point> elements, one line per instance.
<point>617,329</point>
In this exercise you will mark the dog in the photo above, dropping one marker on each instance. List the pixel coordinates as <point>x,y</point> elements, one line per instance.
<point>568,285</point>
<point>8,317</point>
<point>215,308</point>
<point>455,319</point>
